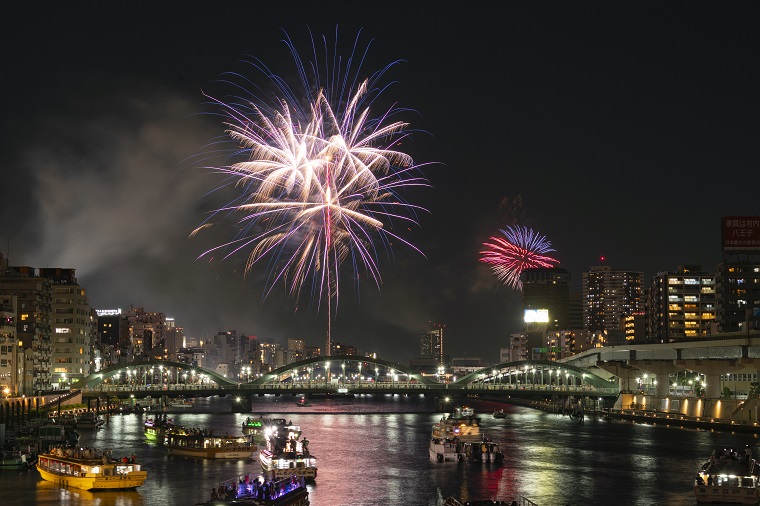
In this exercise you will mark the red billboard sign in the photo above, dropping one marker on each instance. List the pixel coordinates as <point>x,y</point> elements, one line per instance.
<point>741,232</point>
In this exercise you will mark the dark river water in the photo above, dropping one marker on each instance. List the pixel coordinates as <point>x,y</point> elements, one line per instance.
<point>374,452</point>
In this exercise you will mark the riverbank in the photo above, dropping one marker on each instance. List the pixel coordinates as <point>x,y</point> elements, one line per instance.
<point>647,416</point>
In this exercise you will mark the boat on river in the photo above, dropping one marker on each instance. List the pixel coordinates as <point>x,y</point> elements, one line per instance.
<point>155,428</point>
<point>89,420</point>
<point>203,444</point>
<point>285,455</point>
<point>254,428</point>
<point>728,477</point>
<point>90,469</point>
<point>181,402</point>
<point>461,424</point>
<point>499,413</point>
<point>303,402</point>
<point>16,460</point>
<point>260,491</point>
<point>485,451</point>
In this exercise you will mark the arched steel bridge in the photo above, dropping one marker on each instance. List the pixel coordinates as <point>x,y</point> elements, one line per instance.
<point>344,374</point>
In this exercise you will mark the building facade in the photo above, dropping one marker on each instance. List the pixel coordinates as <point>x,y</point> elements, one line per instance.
<point>548,288</point>
<point>72,327</point>
<point>34,299</point>
<point>608,295</point>
<point>681,304</point>
<point>431,343</point>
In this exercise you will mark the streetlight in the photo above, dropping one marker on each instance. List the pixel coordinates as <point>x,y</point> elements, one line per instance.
<point>327,372</point>
<point>343,366</point>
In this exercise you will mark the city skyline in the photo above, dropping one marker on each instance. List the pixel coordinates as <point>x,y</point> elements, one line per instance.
<point>626,132</point>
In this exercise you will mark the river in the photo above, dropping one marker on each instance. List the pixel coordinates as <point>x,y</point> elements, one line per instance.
<point>374,452</point>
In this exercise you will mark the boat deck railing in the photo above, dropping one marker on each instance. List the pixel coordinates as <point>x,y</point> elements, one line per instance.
<point>521,501</point>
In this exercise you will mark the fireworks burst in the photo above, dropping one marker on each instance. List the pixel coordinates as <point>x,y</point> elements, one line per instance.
<point>521,248</point>
<point>320,177</point>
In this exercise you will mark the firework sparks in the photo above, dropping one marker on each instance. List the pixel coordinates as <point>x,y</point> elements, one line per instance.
<point>520,248</point>
<point>320,184</point>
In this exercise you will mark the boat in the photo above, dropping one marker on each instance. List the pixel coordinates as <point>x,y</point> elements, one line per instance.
<point>50,434</point>
<point>286,455</point>
<point>202,443</point>
<point>461,424</point>
<point>302,402</point>
<point>728,477</point>
<point>443,449</point>
<point>484,451</point>
<point>16,460</point>
<point>280,426</point>
<point>90,469</point>
<point>181,402</point>
<point>254,427</point>
<point>89,420</point>
<point>66,419</point>
<point>155,428</point>
<point>499,414</point>
<point>260,491</point>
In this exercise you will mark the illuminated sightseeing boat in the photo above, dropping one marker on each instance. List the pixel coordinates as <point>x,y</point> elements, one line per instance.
<point>155,428</point>
<point>254,427</point>
<point>728,478</point>
<point>202,443</point>
<point>285,455</point>
<point>461,424</point>
<point>90,470</point>
<point>261,491</point>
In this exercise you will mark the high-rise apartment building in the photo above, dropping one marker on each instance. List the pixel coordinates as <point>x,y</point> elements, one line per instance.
<point>738,276</point>
<point>72,327</point>
<point>431,343</point>
<point>11,355</point>
<point>34,297</point>
<point>608,295</point>
<point>548,288</point>
<point>681,304</point>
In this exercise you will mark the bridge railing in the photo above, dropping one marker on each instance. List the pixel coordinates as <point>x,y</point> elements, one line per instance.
<point>356,386</point>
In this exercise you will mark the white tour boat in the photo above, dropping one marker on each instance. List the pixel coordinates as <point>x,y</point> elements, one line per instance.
<point>284,455</point>
<point>181,402</point>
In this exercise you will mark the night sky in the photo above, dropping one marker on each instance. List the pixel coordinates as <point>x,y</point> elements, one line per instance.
<point>628,129</point>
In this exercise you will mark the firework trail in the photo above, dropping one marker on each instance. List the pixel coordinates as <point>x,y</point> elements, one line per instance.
<point>520,248</point>
<point>320,178</point>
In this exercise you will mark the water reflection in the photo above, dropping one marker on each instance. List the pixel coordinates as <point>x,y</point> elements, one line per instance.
<point>376,455</point>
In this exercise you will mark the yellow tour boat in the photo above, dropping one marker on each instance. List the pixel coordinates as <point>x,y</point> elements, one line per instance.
<point>90,470</point>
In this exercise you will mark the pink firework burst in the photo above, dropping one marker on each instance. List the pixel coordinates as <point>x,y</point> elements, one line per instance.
<point>520,248</point>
